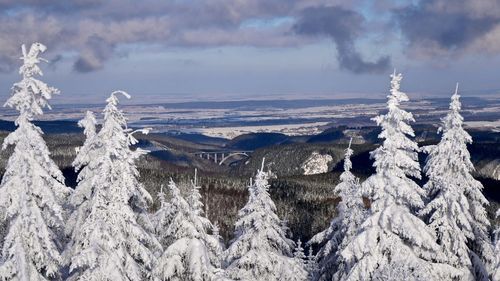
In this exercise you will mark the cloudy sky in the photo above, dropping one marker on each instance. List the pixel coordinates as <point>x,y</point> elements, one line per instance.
<point>225,49</point>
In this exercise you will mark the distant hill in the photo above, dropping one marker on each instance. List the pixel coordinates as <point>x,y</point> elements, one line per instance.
<point>48,127</point>
<point>258,140</point>
<point>281,103</point>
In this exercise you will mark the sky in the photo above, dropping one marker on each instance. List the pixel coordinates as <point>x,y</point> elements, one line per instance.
<point>247,49</point>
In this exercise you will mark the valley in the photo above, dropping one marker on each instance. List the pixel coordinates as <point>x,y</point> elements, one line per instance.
<point>304,199</point>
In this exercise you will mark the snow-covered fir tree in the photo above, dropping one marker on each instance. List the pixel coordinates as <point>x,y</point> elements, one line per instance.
<point>496,268</point>
<point>193,253</point>
<point>311,264</point>
<point>300,257</point>
<point>79,199</point>
<point>32,188</point>
<point>214,241</point>
<point>393,237</point>
<point>88,123</point>
<point>162,218</point>
<point>351,213</point>
<point>194,197</point>
<point>456,210</point>
<point>260,249</point>
<point>298,252</point>
<point>115,241</point>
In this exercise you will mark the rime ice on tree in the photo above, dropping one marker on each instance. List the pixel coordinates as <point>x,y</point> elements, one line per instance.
<point>162,218</point>
<point>194,198</point>
<point>88,124</point>
<point>496,267</point>
<point>260,250</point>
<point>80,199</point>
<point>32,187</point>
<point>343,228</point>
<point>193,253</point>
<point>115,241</point>
<point>456,211</point>
<point>298,252</point>
<point>392,237</point>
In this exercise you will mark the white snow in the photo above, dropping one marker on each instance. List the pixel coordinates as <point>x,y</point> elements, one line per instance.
<point>492,125</point>
<point>261,250</point>
<point>112,237</point>
<point>191,253</point>
<point>456,212</point>
<point>32,188</point>
<point>490,169</point>
<point>496,267</point>
<point>393,240</point>
<point>289,129</point>
<point>351,213</point>
<point>316,164</point>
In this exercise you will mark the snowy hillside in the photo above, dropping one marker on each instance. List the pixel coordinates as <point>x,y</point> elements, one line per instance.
<point>490,169</point>
<point>316,164</point>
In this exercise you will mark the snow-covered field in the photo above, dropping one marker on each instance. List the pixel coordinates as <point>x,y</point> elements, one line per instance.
<point>289,129</point>
<point>492,125</point>
<point>300,117</point>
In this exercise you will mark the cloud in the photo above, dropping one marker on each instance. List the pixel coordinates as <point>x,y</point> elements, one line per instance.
<point>343,26</point>
<point>91,32</point>
<point>437,27</point>
<point>98,50</point>
<point>95,29</point>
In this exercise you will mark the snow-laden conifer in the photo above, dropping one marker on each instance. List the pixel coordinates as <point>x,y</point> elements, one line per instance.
<point>496,268</point>
<point>298,252</point>
<point>311,265</point>
<point>393,237</point>
<point>162,219</point>
<point>194,197</point>
<point>213,239</point>
<point>88,124</point>
<point>343,228</point>
<point>456,211</point>
<point>115,240</point>
<point>193,254</point>
<point>90,150</point>
<point>79,199</point>
<point>260,249</point>
<point>32,188</point>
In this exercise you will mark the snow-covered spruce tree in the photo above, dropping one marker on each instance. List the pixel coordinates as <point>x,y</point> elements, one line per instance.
<point>298,252</point>
<point>193,253</point>
<point>88,124</point>
<point>194,197</point>
<point>162,219</point>
<point>393,237</point>
<point>32,187</point>
<point>311,264</point>
<point>115,240</point>
<point>496,267</point>
<point>260,249</point>
<point>79,199</point>
<point>210,231</point>
<point>213,239</point>
<point>351,213</point>
<point>456,210</point>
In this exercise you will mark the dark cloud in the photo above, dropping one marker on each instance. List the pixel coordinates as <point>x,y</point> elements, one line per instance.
<point>95,29</point>
<point>90,32</point>
<point>434,26</point>
<point>97,51</point>
<point>343,27</point>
